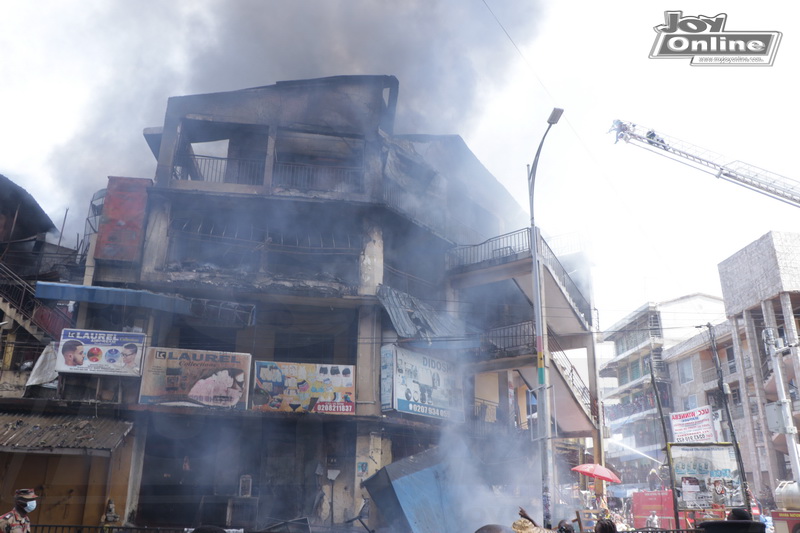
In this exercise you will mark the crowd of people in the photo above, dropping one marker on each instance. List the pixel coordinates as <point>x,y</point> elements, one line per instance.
<point>17,521</point>
<point>609,522</point>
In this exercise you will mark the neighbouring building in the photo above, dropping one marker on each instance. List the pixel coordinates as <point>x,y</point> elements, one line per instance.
<point>632,408</point>
<point>761,289</point>
<point>305,298</point>
<point>696,383</point>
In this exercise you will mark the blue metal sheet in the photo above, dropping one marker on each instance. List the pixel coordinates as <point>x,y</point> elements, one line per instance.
<point>419,493</point>
<point>112,295</point>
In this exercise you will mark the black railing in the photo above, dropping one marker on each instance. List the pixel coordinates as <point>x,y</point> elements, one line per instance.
<point>509,245</point>
<point>512,338</point>
<point>220,169</point>
<point>30,265</point>
<point>517,338</point>
<point>318,177</point>
<point>496,248</point>
<point>571,376</point>
<point>22,297</point>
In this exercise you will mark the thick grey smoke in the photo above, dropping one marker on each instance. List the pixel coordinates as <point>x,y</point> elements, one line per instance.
<point>445,53</point>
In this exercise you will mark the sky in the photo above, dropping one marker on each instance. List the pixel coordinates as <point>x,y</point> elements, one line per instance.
<point>80,85</point>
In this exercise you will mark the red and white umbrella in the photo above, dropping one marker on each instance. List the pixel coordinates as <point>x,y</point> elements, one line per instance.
<point>597,471</point>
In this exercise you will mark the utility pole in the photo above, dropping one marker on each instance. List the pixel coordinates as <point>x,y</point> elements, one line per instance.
<point>660,407</point>
<point>543,400</point>
<point>776,351</point>
<point>723,393</point>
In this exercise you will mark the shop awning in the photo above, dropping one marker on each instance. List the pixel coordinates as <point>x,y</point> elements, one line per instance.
<point>111,295</point>
<point>61,435</point>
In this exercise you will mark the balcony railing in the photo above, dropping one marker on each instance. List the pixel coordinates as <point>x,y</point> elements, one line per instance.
<point>511,244</point>
<point>578,300</point>
<point>305,177</point>
<point>639,405</point>
<point>512,338</point>
<point>571,376</point>
<point>30,265</point>
<point>219,170</point>
<point>500,247</point>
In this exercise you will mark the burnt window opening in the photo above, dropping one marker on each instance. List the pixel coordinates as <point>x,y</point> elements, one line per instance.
<point>221,152</point>
<point>304,348</point>
<point>207,240</point>
<point>298,347</point>
<point>319,162</point>
<point>319,265</point>
<point>211,238</point>
<point>317,335</point>
<point>201,336</point>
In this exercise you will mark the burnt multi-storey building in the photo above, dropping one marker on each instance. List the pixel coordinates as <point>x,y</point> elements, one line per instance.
<point>373,287</point>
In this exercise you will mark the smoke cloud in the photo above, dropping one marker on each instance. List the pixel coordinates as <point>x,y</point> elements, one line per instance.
<point>113,65</point>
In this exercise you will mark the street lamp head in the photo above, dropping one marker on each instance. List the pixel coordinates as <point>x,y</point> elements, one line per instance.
<point>555,115</point>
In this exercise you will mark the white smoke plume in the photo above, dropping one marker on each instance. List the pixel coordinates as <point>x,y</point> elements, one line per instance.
<point>110,67</point>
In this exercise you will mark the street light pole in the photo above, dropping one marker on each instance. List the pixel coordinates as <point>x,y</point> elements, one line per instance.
<point>543,401</point>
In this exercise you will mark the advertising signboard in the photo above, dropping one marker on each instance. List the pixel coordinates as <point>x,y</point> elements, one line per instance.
<point>304,388</point>
<point>84,351</point>
<point>706,474</point>
<point>174,376</point>
<point>696,425</point>
<point>419,384</point>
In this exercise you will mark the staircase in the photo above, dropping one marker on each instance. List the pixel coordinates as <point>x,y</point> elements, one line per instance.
<point>18,302</point>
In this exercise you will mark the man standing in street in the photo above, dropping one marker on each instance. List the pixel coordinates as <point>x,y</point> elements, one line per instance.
<point>16,520</point>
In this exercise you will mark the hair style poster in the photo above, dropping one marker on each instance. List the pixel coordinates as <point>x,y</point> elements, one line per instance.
<point>173,376</point>
<point>304,388</point>
<point>117,353</point>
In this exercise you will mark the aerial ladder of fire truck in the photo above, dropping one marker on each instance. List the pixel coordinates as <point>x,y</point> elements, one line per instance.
<point>748,176</point>
<point>787,494</point>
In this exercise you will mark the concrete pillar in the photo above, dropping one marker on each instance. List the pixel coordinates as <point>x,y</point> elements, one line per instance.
<point>8,349</point>
<point>88,279</point>
<point>371,455</point>
<point>156,244</point>
<point>368,362</point>
<point>135,475</point>
<point>753,343</point>
<point>504,413</point>
<point>371,260</point>
<point>270,160</point>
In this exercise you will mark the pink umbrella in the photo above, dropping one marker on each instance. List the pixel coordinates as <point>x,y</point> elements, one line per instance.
<point>597,471</point>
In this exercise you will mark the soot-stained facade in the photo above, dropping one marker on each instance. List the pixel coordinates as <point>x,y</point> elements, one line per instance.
<point>319,297</point>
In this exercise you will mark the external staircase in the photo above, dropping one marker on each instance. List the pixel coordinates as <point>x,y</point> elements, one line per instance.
<point>18,303</point>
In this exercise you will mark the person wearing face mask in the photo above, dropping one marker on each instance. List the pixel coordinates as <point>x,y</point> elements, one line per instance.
<point>16,520</point>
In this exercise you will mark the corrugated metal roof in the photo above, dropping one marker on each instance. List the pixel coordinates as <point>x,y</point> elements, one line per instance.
<point>412,318</point>
<point>61,434</point>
